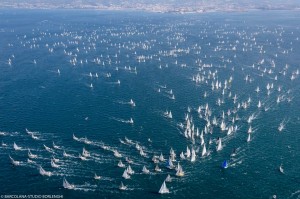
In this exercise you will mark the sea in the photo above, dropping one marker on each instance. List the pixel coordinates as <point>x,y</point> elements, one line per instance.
<point>67,78</point>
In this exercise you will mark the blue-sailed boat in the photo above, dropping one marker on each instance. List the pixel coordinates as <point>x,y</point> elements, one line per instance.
<point>225,164</point>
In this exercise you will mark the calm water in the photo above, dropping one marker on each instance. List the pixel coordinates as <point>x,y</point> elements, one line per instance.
<point>172,49</point>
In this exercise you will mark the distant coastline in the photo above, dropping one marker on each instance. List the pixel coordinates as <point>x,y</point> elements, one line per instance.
<point>156,8</point>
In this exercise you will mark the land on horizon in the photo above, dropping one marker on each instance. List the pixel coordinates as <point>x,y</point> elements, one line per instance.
<point>156,5</point>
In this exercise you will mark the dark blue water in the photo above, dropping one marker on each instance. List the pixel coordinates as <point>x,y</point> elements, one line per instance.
<point>56,106</point>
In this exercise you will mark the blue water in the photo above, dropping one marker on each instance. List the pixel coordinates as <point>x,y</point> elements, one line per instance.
<point>56,106</point>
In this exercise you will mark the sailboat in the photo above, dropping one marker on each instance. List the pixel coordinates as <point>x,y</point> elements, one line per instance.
<point>30,161</point>
<point>161,158</point>
<point>132,103</point>
<point>53,164</point>
<point>188,152</point>
<point>65,154</point>
<point>250,130</point>
<point>281,169</point>
<point>168,178</point>
<point>203,150</point>
<point>131,121</point>
<point>55,146</point>
<point>157,169</point>
<point>48,149</point>
<point>193,158</point>
<point>163,189</point>
<point>117,154</point>
<point>30,155</point>
<point>120,164</point>
<point>96,177</point>
<point>249,137</point>
<point>179,172</point>
<point>170,164</point>
<point>44,173</point>
<point>75,138</point>
<point>122,186</point>
<point>219,147</point>
<point>14,162</point>
<point>169,115</point>
<point>224,164</point>
<point>85,153</point>
<point>182,155</point>
<point>125,174</point>
<point>16,147</point>
<point>145,170</point>
<point>67,185</point>
<point>129,170</point>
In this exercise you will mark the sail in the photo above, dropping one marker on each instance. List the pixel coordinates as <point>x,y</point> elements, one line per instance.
<point>67,185</point>
<point>120,164</point>
<point>161,157</point>
<point>145,170</point>
<point>193,158</point>
<point>168,178</point>
<point>53,164</point>
<point>225,164</point>
<point>163,189</point>
<point>204,150</point>
<point>249,137</point>
<point>44,173</point>
<point>125,174</point>
<point>122,186</point>
<point>170,164</point>
<point>219,147</point>
<point>188,152</point>
<point>16,147</point>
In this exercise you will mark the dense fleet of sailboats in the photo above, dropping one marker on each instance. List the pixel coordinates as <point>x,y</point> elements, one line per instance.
<point>206,129</point>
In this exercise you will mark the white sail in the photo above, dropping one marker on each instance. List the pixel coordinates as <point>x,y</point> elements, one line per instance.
<point>55,146</point>
<point>129,170</point>
<point>30,161</point>
<point>145,170</point>
<point>219,147</point>
<point>67,185</point>
<point>193,158</point>
<point>85,153</point>
<point>122,186</point>
<point>117,154</point>
<point>163,189</point>
<point>132,103</point>
<point>14,162</point>
<point>179,172</point>
<point>53,164</point>
<point>182,155</point>
<point>44,173</point>
<point>161,158</point>
<point>30,155</point>
<point>188,152</point>
<point>65,154</point>
<point>157,169</point>
<point>125,174</point>
<point>48,149</point>
<point>16,147</point>
<point>249,137</point>
<point>168,178</point>
<point>250,130</point>
<point>170,115</point>
<point>120,164</point>
<point>204,150</point>
<point>281,169</point>
<point>75,138</point>
<point>96,177</point>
